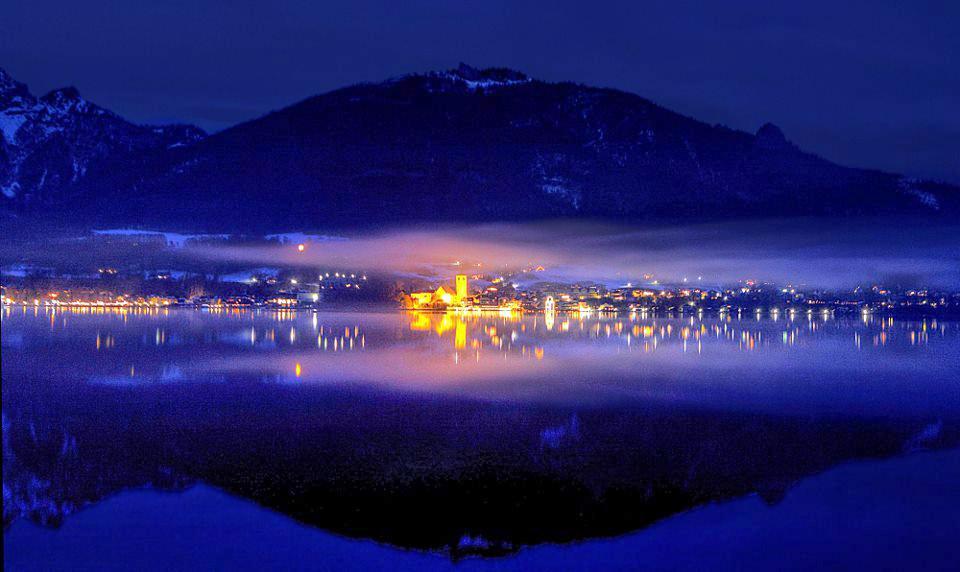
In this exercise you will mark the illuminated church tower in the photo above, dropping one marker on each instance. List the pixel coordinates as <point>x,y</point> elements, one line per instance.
<point>461,287</point>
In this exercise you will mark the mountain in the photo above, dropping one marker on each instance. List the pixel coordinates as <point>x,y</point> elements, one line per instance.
<point>480,145</point>
<point>51,145</point>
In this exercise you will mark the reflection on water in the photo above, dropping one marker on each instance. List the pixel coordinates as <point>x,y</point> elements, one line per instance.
<point>791,361</point>
<point>500,430</point>
<point>510,333</point>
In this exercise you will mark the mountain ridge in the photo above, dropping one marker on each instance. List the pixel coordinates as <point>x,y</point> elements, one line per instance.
<point>48,144</point>
<point>482,145</point>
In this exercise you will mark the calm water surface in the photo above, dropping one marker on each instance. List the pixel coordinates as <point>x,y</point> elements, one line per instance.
<point>497,432</point>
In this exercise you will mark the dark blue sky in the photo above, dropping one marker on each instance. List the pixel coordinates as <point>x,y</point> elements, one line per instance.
<point>873,84</point>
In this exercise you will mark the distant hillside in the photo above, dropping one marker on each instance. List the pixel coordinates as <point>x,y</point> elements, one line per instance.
<point>479,145</point>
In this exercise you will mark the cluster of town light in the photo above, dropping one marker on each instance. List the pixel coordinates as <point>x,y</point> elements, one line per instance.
<point>442,297</point>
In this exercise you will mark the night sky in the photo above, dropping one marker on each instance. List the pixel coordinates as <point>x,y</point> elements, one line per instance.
<point>871,84</point>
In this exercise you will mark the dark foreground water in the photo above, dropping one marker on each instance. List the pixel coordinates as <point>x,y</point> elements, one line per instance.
<point>830,521</point>
<point>312,441</point>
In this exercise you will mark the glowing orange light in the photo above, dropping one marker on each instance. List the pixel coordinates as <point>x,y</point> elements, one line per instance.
<point>297,370</point>
<point>301,247</point>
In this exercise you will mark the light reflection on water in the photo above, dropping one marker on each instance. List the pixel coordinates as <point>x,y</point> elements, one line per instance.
<point>578,426</point>
<point>590,358</point>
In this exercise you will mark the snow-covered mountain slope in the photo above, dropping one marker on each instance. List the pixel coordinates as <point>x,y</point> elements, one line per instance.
<point>50,144</point>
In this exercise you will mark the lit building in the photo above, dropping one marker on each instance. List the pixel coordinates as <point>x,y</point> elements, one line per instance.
<point>308,297</point>
<point>420,299</point>
<point>441,297</point>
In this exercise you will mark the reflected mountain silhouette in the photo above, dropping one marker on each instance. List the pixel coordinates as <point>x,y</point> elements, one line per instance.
<point>434,473</point>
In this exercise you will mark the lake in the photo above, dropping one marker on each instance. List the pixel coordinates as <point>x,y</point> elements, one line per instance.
<point>492,441</point>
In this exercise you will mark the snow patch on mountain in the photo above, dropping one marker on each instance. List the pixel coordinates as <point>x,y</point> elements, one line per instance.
<point>924,437</point>
<point>569,195</point>
<point>9,190</point>
<point>489,83</point>
<point>10,123</point>
<point>301,238</point>
<point>909,186</point>
<point>548,168</point>
<point>172,239</point>
<point>474,79</point>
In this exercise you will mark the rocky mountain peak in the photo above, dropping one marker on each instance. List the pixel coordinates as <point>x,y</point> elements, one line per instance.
<point>48,146</point>
<point>769,136</point>
<point>7,82</point>
<point>12,92</point>
<point>63,98</point>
